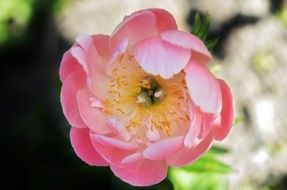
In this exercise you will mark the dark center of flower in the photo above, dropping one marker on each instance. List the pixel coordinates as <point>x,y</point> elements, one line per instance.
<point>151,92</point>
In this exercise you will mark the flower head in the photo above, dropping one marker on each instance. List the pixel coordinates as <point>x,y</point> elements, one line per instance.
<point>142,99</point>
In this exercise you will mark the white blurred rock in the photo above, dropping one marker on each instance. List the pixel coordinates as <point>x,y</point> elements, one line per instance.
<point>102,16</point>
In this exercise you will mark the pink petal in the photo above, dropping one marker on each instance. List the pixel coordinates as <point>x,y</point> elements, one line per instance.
<point>114,143</point>
<point>102,45</point>
<point>71,85</point>
<point>84,149</point>
<point>68,65</point>
<point>227,112</point>
<point>94,65</point>
<point>160,150</point>
<point>136,27</point>
<point>109,149</point>
<point>164,20</point>
<point>132,158</point>
<point>187,155</point>
<point>203,88</point>
<point>199,51</point>
<point>191,137</point>
<point>120,130</point>
<point>159,57</point>
<point>92,117</point>
<point>142,173</point>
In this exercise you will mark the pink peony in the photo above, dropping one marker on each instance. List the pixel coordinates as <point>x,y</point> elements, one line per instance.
<point>143,99</point>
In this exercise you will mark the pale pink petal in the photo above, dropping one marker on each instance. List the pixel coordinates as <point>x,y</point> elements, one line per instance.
<point>109,149</point>
<point>206,124</point>
<point>203,88</point>
<point>199,52</point>
<point>159,57</point>
<point>120,130</point>
<point>71,85</point>
<point>68,65</point>
<point>92,116</point>
<point>191,137</point>
<point>160,150</point>
<point>142,173</point>
<point>80,140</point>
<point>89,57</point>
<point>136,27</point>
<point>187,155</point>
<point>164,20</point>
<point>227,112</point>
<point>114,143</point>
<point>132,158</point>
<point>102,45</point>
<point>79,54</point>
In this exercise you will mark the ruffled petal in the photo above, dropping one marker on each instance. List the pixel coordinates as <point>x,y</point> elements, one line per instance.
<point>160,150</point>
<point>92,116</point>
<point>159,57</point>
<point>71,85</point>
<point>164,20</point>
<point>192,136</point>
<point>199,52</point>
<point>102,44</point>
<point>227,113</point>
<point>113,150</point>
<point>80,140</point>
<point>187,155</point>
<point>68,65</point>
<point>203,88</point>
<point>142,173</point>
<point>136,27</point>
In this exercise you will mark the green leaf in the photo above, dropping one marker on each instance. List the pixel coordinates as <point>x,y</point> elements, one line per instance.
<point>205,27</point>
<point>210,44</point>
<point>197,24</point>
<point>201,28</point>
<point>207,164</point>
<point>217,150</point>
<point>183,180</point>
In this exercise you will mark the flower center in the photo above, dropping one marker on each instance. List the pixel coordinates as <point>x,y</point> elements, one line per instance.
<point>151,92</point>
<point>145,103</point>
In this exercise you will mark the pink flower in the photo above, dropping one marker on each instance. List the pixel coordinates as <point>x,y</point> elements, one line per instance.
<point>143,99</point>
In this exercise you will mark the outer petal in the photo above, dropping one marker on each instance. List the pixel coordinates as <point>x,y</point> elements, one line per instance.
<point>113,150</point>
<point>187,40</point>
<point>187,155</point>
<point>136,27</point>
<point>203,88</point>
<point>92,117</point>
<point>102,45</point>
<point>164,20</point>
<point>164,148</point>
<point>162,58</point>
<point>68,65</point>
<point>227,113</point>
<point>71,85</point>
<point>93,63</point>
<point>142,173</point>
<point>84,149</point>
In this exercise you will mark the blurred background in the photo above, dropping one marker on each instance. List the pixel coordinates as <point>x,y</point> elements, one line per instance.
<point>251,56</point>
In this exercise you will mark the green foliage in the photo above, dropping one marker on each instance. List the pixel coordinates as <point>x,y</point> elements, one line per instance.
<point>207,173</point>
<point>282,15</point>
<point>201,29</point>
<point>238,120</point>
<point>14,17</point>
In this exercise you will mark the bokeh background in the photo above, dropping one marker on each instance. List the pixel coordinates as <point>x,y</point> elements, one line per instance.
<point>251,56</point>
